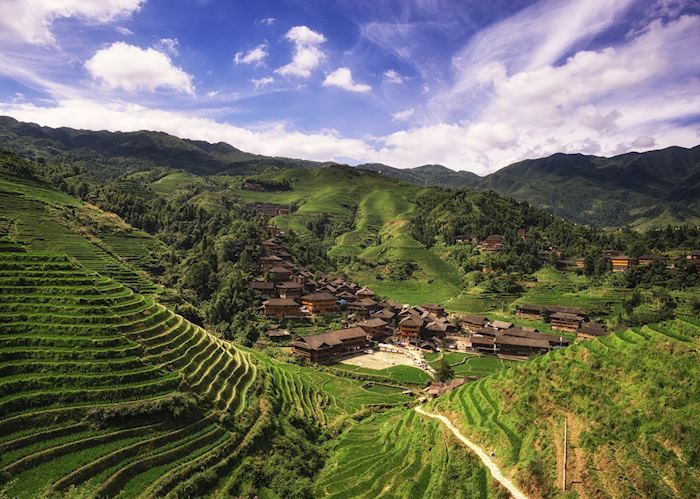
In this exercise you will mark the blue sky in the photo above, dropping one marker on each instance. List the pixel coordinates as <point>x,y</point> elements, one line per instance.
<point>469,84</point>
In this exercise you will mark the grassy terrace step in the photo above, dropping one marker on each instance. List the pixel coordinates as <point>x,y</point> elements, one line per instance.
<point>122,456</point>
<point>29,400</point>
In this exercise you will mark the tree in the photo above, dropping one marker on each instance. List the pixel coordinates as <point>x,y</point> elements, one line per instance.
<point>443,370</point>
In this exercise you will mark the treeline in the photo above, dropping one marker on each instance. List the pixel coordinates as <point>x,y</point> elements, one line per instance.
<point>532,237</point>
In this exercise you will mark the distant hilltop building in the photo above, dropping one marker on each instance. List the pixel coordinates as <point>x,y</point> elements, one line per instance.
<point>494,243</point>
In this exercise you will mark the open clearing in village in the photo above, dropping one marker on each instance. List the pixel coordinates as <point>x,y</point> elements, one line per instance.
<point>379,360</point>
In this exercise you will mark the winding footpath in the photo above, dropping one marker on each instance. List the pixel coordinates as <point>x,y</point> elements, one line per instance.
<point>493,467</point>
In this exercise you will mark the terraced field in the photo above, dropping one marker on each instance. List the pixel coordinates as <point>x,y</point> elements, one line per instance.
<point>632,405</point>
<point>35,212</point>
<point>400,454</point>
<point>102,388</point>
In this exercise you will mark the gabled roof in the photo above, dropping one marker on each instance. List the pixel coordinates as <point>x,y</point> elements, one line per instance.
<point>318,297</point>
<point>526,342</point>
<point>411,321</point>
<point>271,258</point>
<point>261,285</point>
<point>364,292</point>
<point>479,320</point>
<point>501,324</point>
<point>280,270</point>
<point>331,339</point>
<point>281,302</point>
<point>289,285</point>
<point>373,323</point>
<point>566,316</point>
<point>384,314</point>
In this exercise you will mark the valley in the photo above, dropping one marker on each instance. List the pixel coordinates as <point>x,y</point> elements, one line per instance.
<point>137,359</point>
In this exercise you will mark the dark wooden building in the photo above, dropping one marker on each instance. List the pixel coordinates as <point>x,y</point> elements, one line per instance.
<point>281,308</point>
<point>320,303</point>
<point>322,348</point>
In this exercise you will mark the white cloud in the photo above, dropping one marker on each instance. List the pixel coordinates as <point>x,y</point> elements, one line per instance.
<point>168,45</point>
<point>342,78</point>
<point>254,56</point>
<point>307,52</point>
<point>273,140</point>
<point>123,30</point>
<point>31,21</point>
<point>268,21</point>
<point>262,82</point>
<point>403,115</point>
<point>393,76</point>
<point>132,68</point>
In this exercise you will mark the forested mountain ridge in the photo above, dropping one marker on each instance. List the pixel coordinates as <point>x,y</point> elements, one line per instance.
<point>638,190</point>
<point>109,154</point>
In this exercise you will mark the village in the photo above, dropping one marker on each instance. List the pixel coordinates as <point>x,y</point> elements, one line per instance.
<point>378,333</point>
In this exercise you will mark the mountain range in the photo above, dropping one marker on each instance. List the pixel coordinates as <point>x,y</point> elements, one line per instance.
<point>638,190</point>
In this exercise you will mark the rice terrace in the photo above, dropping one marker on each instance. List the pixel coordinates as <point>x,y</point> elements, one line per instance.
<point>395,249</point>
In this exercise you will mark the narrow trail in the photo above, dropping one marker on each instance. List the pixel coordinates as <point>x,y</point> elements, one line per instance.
<point>493,467</point>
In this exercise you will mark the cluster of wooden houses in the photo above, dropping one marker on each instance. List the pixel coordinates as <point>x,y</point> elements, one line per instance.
<point>620,262</point>
<point>569,319</point>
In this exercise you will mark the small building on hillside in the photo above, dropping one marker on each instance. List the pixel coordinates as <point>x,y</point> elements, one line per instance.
<point>278,335</point>
<point>375,328</point>
<point>326,347</point>
<point>501,325</point>
<point>562,321</point>
<point>591,330</point>
<point>289,289</point>
<point>279,274</point>
<point>532,312</point>
<point>269,262</point>
<point>693,256</point>
<point>365,292</point>
<point>410,328</point>
<point>320,303</point>
<point>471,323</point>
<point>281,308</point>
<point>386,314</point>
<point>622,263</point>
<point>436,310</point>
<point>363,307</point>
<point>493,243</point>
<point>265,288</point>
<point>580,263</point>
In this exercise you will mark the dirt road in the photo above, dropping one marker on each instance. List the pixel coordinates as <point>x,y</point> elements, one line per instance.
<point>493,467</point>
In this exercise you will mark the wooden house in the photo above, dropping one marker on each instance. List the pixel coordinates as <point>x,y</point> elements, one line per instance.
<point>410,328</point>
<point>281,308</point>
<point>471,323</point>
<point>320,303</point>
<point>327,347</point>
<point>532,312</point>
<point>493,243</point>
<point>278,335</point>
<point>265,288</point>
<point>649,259</point>
<point>279,274</point>
<point>366,292</point>
<point>289,289</point>
<point>434,309</point>
<point>622,263</point>
<point>693,256</point>
<point>590,330</point>
<point>562,321</point>
<point>501,325</point>
<point>269,262</point>
<point>375,328</point>
<point>363,307</point>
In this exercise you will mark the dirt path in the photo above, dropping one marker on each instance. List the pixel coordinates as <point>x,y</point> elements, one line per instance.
<point>493,467</point>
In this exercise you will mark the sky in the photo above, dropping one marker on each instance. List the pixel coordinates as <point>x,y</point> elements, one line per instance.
<point>469,84</point>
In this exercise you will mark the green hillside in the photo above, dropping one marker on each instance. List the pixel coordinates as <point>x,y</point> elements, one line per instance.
<point>365,219</point>
<point>631,401</point>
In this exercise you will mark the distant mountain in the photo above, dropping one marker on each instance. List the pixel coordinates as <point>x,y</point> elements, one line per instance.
<point>427,175</point>
<point>641,190</point>
<point>638,189</point>
<point>107,154</point>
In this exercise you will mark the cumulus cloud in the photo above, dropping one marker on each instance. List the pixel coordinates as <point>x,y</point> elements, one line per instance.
<point>131,68</point>
<point>393,76</point>
<point>403,115</point>
<point>31,21</point>
<point>307,52</point>
<point>254,56</point>
<point>168,45</point>
<point>262,82</point>
<point>342,78</point>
